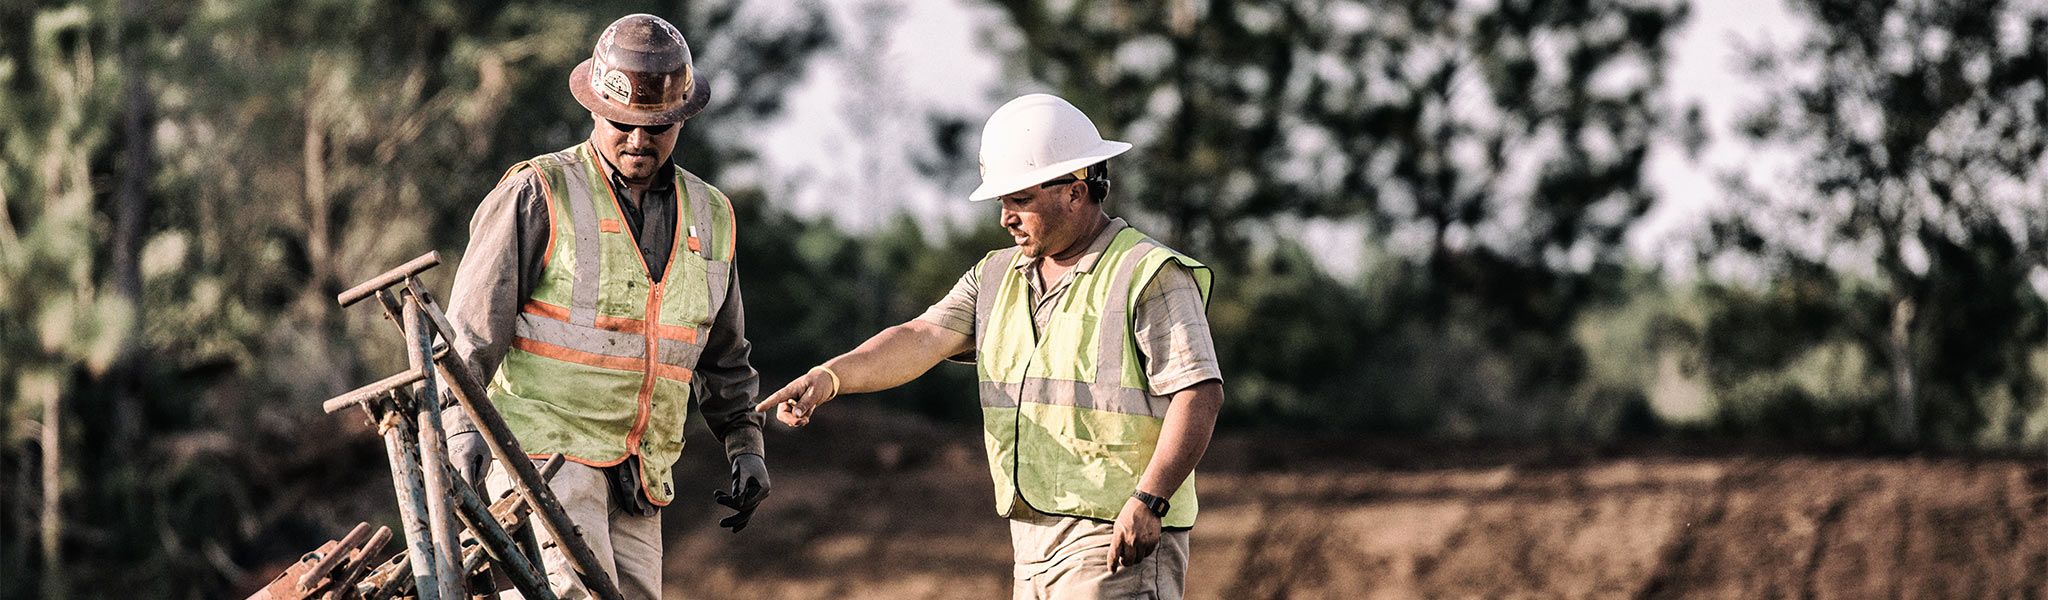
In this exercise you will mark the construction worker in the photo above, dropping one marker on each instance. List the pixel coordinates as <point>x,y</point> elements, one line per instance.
<point>598,295</point>
<point>1099,382</point>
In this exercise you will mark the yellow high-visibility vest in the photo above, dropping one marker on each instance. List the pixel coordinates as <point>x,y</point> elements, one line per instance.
<point>1067,417</point>
<point>601,362</point>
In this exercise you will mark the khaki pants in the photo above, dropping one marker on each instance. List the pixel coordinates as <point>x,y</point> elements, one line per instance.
<point>628,547</point>
<point>1065,558</point>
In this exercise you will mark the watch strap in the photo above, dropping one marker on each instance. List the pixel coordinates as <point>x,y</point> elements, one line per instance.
<point>1154,504</point>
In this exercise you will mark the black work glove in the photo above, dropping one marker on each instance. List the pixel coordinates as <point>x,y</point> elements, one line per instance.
<point>749,487</point>
<point>466,452</point>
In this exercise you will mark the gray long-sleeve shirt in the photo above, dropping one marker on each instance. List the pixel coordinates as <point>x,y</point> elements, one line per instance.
<point>508,241</point>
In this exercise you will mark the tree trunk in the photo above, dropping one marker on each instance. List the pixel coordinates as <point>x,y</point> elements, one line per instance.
<point>54,585</point>
<point>317,240</point>
<point>131,208</point>
<point>1905,392</point>
<point>10,241</point>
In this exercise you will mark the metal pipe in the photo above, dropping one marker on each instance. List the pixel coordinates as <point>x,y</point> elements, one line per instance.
<point>388,278</point>
<point>331,559</point>
<point>372,391</point>
<point>469,392</point>
<point>345,581</point>
<point>498,543</point>
<point>529,542</point>
<point>401,448</point>
<point>388,579</point>
<point>441,518</point>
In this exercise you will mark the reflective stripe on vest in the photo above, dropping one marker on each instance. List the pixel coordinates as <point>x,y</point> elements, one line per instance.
<point>600,364</point>
<point>1068,420</point>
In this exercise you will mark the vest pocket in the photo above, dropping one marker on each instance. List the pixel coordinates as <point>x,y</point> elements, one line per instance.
<point>684,301</point>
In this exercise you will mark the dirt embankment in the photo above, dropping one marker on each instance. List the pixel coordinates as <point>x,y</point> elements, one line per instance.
<point>877,506</point>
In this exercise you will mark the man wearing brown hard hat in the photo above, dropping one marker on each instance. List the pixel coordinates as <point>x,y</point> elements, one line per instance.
<point>598,293</point>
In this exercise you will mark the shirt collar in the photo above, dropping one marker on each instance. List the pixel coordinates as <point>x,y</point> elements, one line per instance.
<point>1095,247</point>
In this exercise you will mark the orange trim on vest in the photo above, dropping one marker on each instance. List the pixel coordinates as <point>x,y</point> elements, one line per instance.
<point>547,350</point>
<point>547,195</point>
<point>580,460</point>
<point>672,372</point>
<point>637,365</point>
<point>687,335</point>
<point>609,226</point>
<point>543,309</point>
<point>647,383</point>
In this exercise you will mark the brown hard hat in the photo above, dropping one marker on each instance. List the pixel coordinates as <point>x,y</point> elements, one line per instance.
<point>640,74</point>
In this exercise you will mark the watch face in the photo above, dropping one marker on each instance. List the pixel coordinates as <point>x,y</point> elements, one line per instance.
<point>1153,504</point>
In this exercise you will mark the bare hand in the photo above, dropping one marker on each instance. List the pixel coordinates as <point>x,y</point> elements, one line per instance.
<point>795,402</point>
<point>1136,534</point>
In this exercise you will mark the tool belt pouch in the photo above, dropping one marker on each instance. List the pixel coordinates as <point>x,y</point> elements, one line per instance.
<point>627,493</point>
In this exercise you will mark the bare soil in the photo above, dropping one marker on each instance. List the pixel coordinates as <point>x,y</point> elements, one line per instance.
<point>872,505</point>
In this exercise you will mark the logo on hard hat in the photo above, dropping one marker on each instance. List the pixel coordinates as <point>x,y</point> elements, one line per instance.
<point>618,86</point>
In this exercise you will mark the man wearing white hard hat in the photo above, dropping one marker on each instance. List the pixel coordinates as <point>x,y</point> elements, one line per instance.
<point>1099,381</point>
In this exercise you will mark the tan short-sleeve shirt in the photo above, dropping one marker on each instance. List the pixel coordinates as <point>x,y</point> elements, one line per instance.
<point>1170,326</point>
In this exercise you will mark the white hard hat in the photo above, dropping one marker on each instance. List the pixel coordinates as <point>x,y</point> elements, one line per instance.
<point>1036,138</point>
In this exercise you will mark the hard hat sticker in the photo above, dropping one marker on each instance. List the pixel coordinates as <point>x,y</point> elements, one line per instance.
<point>618,86</point>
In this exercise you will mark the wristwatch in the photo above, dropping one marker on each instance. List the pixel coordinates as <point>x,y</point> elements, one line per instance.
<point>1153,504</point>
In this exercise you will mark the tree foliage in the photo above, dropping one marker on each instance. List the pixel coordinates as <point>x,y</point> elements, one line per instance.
<point>1921,129</point>
<point>288,150</point>
<point>184,187</point>
<point>1495,148</point>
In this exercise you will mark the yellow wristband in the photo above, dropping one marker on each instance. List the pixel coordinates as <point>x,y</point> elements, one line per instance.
<point>835,380</point>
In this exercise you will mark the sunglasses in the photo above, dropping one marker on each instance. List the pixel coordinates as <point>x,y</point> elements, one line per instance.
<point>651,129</point>
<point>1069,178</point>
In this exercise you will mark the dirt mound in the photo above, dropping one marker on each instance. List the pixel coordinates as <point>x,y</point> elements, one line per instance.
<point>870,505</point>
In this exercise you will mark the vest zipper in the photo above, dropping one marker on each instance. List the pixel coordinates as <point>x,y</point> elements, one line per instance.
<point>646,400</point>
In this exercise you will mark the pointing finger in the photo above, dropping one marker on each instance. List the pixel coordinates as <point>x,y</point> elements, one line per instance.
<point>780,396</point>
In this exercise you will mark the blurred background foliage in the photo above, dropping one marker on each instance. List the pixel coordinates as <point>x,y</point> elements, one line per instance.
<point>185,185</point>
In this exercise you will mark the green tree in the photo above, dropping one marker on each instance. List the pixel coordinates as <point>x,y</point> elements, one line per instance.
<point>222,169</point>
<point>1920,126</point>
<point>63,325</point>
<point>1496,151</point>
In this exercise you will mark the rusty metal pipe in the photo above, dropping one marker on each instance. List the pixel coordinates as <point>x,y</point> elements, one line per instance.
<point>498,544</point>
<point>402,449</point>
<point>469,392</point>
<point>388,278</point>
<point>372,391</point>
<point>327,562</point>
<point>441,518</point>
<point>359,562</point>
<point>389,579</point>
